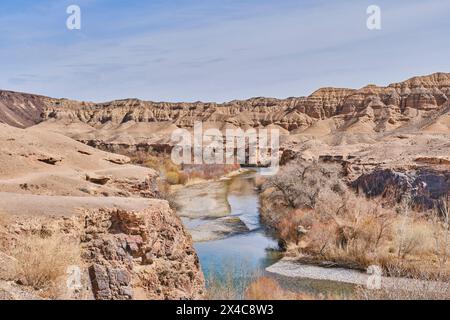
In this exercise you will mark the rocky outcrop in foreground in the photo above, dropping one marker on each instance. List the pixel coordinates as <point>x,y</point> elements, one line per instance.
<point>141,255</point>
<point>124,255</point>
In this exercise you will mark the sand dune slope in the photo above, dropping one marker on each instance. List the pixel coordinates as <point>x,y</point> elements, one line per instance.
<point>39,162</point>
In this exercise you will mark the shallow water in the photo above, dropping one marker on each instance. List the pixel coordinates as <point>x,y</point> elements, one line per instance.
<point>246,251</point>
<point>247,255</point>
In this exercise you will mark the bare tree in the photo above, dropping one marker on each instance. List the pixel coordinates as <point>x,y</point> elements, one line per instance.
<point>299,184</point>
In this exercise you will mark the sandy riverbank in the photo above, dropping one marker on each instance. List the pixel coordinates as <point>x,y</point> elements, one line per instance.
<point>293,269</point>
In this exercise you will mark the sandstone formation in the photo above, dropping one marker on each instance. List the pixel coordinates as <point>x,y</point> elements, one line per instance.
<point>332,116</point>
<point>403,126</point>
<point>20,109</point>
<point>132,245</point>
<point>388,106</point>
<point>44,163</point>
<point>391,141</point>
<point>141,255</point>
<point>124,254</point>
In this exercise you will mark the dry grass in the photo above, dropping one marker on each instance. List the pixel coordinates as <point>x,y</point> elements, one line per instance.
<point>363,233</point>
<point>180,174</point>
<point>172,178</point>
<point>208,171</point>
<point>401,294</point>
<point>241,284</point>
<point>230,283</point>
<point>42,260</point>
<point>294,224</point>
<point>336,225</point>
<point>265,288</point>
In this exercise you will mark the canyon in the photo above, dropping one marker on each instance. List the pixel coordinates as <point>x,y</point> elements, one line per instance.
<point>402,127</point>
<point>126,242</point>
<point>66,171</point>
<point>410,120</point>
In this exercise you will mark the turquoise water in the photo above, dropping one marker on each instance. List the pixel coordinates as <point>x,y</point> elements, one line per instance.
<point>246,256</point>
<point>247,253</point>
<point>243,253</point>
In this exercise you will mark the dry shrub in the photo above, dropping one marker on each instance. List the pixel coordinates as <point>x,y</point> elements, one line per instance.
<point>415,238</point>
<point>163,164</point>
<point>300,184</point>
<point>239,283</point>
<point>169,166</point>
<point>137,157</point>
<point>353,232</point>
<point>177,174</point>
<point>294,224</point>
<point>165,193</point>
<point>338,226</point>
<point>361,227</point>
<point>401,294</point>
<point>259,182</point>
<point>175,177</point>
<point>42,260</point>
<point>147,159</point>
<point>172,178</point>
<point>153,163</point>
<point>183,178</point>
<point>321,220</point>
<point>319,239</point>
<point>266,288</point>
<point>163,188</point>
<point>160,162</point>
<point>208,171</point>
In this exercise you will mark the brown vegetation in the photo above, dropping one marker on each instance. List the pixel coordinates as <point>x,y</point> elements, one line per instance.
<point>319,219</point>
<point>43,259</point>
<point>265,288</point>
<point>238,283</point>
<point>180,174</point>
<point>229,284</point>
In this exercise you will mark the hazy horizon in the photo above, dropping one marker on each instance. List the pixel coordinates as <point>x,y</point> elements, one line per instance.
<point>206,101</point>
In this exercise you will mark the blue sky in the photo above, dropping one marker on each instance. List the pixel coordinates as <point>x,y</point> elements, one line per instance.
<point>211,50</point>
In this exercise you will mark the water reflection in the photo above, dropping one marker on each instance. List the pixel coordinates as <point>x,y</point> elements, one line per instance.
<point>249,249</point>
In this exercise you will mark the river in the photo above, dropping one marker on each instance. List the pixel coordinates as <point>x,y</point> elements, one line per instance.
<point>243,249</point>
<point>253,250</point>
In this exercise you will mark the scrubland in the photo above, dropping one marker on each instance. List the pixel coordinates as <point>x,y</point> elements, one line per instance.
<point>181,174</point>
<point>320,220</point>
